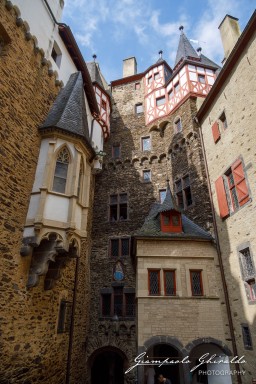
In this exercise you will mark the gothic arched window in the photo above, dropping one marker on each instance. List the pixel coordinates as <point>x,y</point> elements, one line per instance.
<point>61,171</point>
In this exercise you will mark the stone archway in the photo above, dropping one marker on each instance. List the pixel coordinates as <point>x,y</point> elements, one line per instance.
<point>107,366</point>
<point>162,347</point>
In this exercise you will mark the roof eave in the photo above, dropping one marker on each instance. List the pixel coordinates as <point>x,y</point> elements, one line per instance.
<point>75,53</point>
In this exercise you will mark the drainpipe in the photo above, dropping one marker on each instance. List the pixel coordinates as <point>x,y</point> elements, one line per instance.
<point>230,320</point>
<point>52,15</point>
<point>72,324</point>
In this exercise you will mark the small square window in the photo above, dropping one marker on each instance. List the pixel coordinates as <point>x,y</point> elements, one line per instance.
<point>201,79</point>
<point>223,120</point>
<point>177,87</point>
<point>196,283</point>
<point>170,94</point>
<point>157,76</point>
<point>116,151</point>
<point>178,126</point>
<point>56,54</point>
<point>160,101</point>
<point>138,108</point>
<point>162,195</point>
<point>150,80</point>
<point>146,143</point>
<point>147,176</point>
<point>247,337</point>
<point>137,86</point>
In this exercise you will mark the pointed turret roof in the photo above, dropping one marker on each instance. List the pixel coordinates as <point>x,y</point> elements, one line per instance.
<point>185,49</point>
<point>152,224</point>
<point>96,75</point>
<point>68,112</point>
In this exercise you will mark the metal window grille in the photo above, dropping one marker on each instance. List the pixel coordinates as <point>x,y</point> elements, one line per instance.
<point>129,304</point>
<point>247,264</point>
<point>170,288</point>
<point>146,144</point>
<point>106,304</point>
<point>146,175</point>
<point>125,247</point>
<point>196,284</point>
<point>118,301</point>
<point>247,337</point>
<point>114,247</point>
<point>154,282</point>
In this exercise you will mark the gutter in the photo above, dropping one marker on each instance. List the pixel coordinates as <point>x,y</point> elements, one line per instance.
<point>226,295</point>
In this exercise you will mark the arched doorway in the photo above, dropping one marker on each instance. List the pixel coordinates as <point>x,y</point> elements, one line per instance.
<point>210,373</point>
<point>162,351</point>
<point>107,366</point>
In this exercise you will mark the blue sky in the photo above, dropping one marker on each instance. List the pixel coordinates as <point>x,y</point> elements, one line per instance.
<point>117,29</point>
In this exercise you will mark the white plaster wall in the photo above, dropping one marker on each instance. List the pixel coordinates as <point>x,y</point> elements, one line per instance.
<point>97,136</point>
<point>56,208</point>
<point>41,165</point>
<point>33,206</point>
<point>42,27</point>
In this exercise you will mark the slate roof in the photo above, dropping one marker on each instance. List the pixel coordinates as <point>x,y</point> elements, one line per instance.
<point>186,51</point>
<point>94,73</point>
<point>152,225</point>
<point>68,112</point>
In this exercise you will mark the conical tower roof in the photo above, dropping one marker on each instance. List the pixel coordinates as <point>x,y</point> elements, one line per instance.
<point>185,49</point>
<point>169,202</point>
<point>68,112</point>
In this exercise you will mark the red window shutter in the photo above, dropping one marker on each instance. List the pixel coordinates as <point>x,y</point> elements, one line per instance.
<point>215,132</point>
<point>222,198</point>
<point>240,182</point>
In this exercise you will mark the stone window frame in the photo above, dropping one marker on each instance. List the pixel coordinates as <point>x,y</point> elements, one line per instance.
<point>81,178</point>
<point>56,54</point>
<point>141,143</point>
<point>119,238</point>
<point>248,279</point>
<point>183,188</point>
<point>195,267</point>
<point>223,120</point>
<point>175,124</point>
<point>158,270</point>
<point>137,86</point>
<point>247,346</point>
<point>119,146</point>
<point>159,193</point>
<point>140,112</point>
<point>69,171</point>
<point>118,206</point>
<point>64,316</point>
<point>111,292</point>
<point>175,281</point>
<point>142,176</point>
<point>200,271</point>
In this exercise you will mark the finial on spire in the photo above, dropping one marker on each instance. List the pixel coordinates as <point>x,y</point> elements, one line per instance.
<point>94,56</point>
<point>181,29</point>
<point>160,54</point>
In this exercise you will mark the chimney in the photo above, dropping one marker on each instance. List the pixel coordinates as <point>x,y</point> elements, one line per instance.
<point>129,67</point>
<point>230,32</point>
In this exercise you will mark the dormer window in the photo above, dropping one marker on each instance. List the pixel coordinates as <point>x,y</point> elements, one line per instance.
<point>171,222</point>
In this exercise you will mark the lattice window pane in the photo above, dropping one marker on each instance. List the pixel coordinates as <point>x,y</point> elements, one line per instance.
<point>154,282</point>
<point>118,301</point>
<point>123,212</point>
<point>130,304</point>
<point>247,264</point>
<point>114,247</point>
<point>63,156</point>
<point>125,247</point>
<point>170,288</point>
<point>106,305</point>
<point>196,284</point>
<point>234,197</point>
<point>113,212</point>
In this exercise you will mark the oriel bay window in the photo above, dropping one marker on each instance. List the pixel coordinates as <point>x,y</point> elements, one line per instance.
<point>232,189</point>
<point>118,301</point>
<point>118,207</point>
<point>119,247</point>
